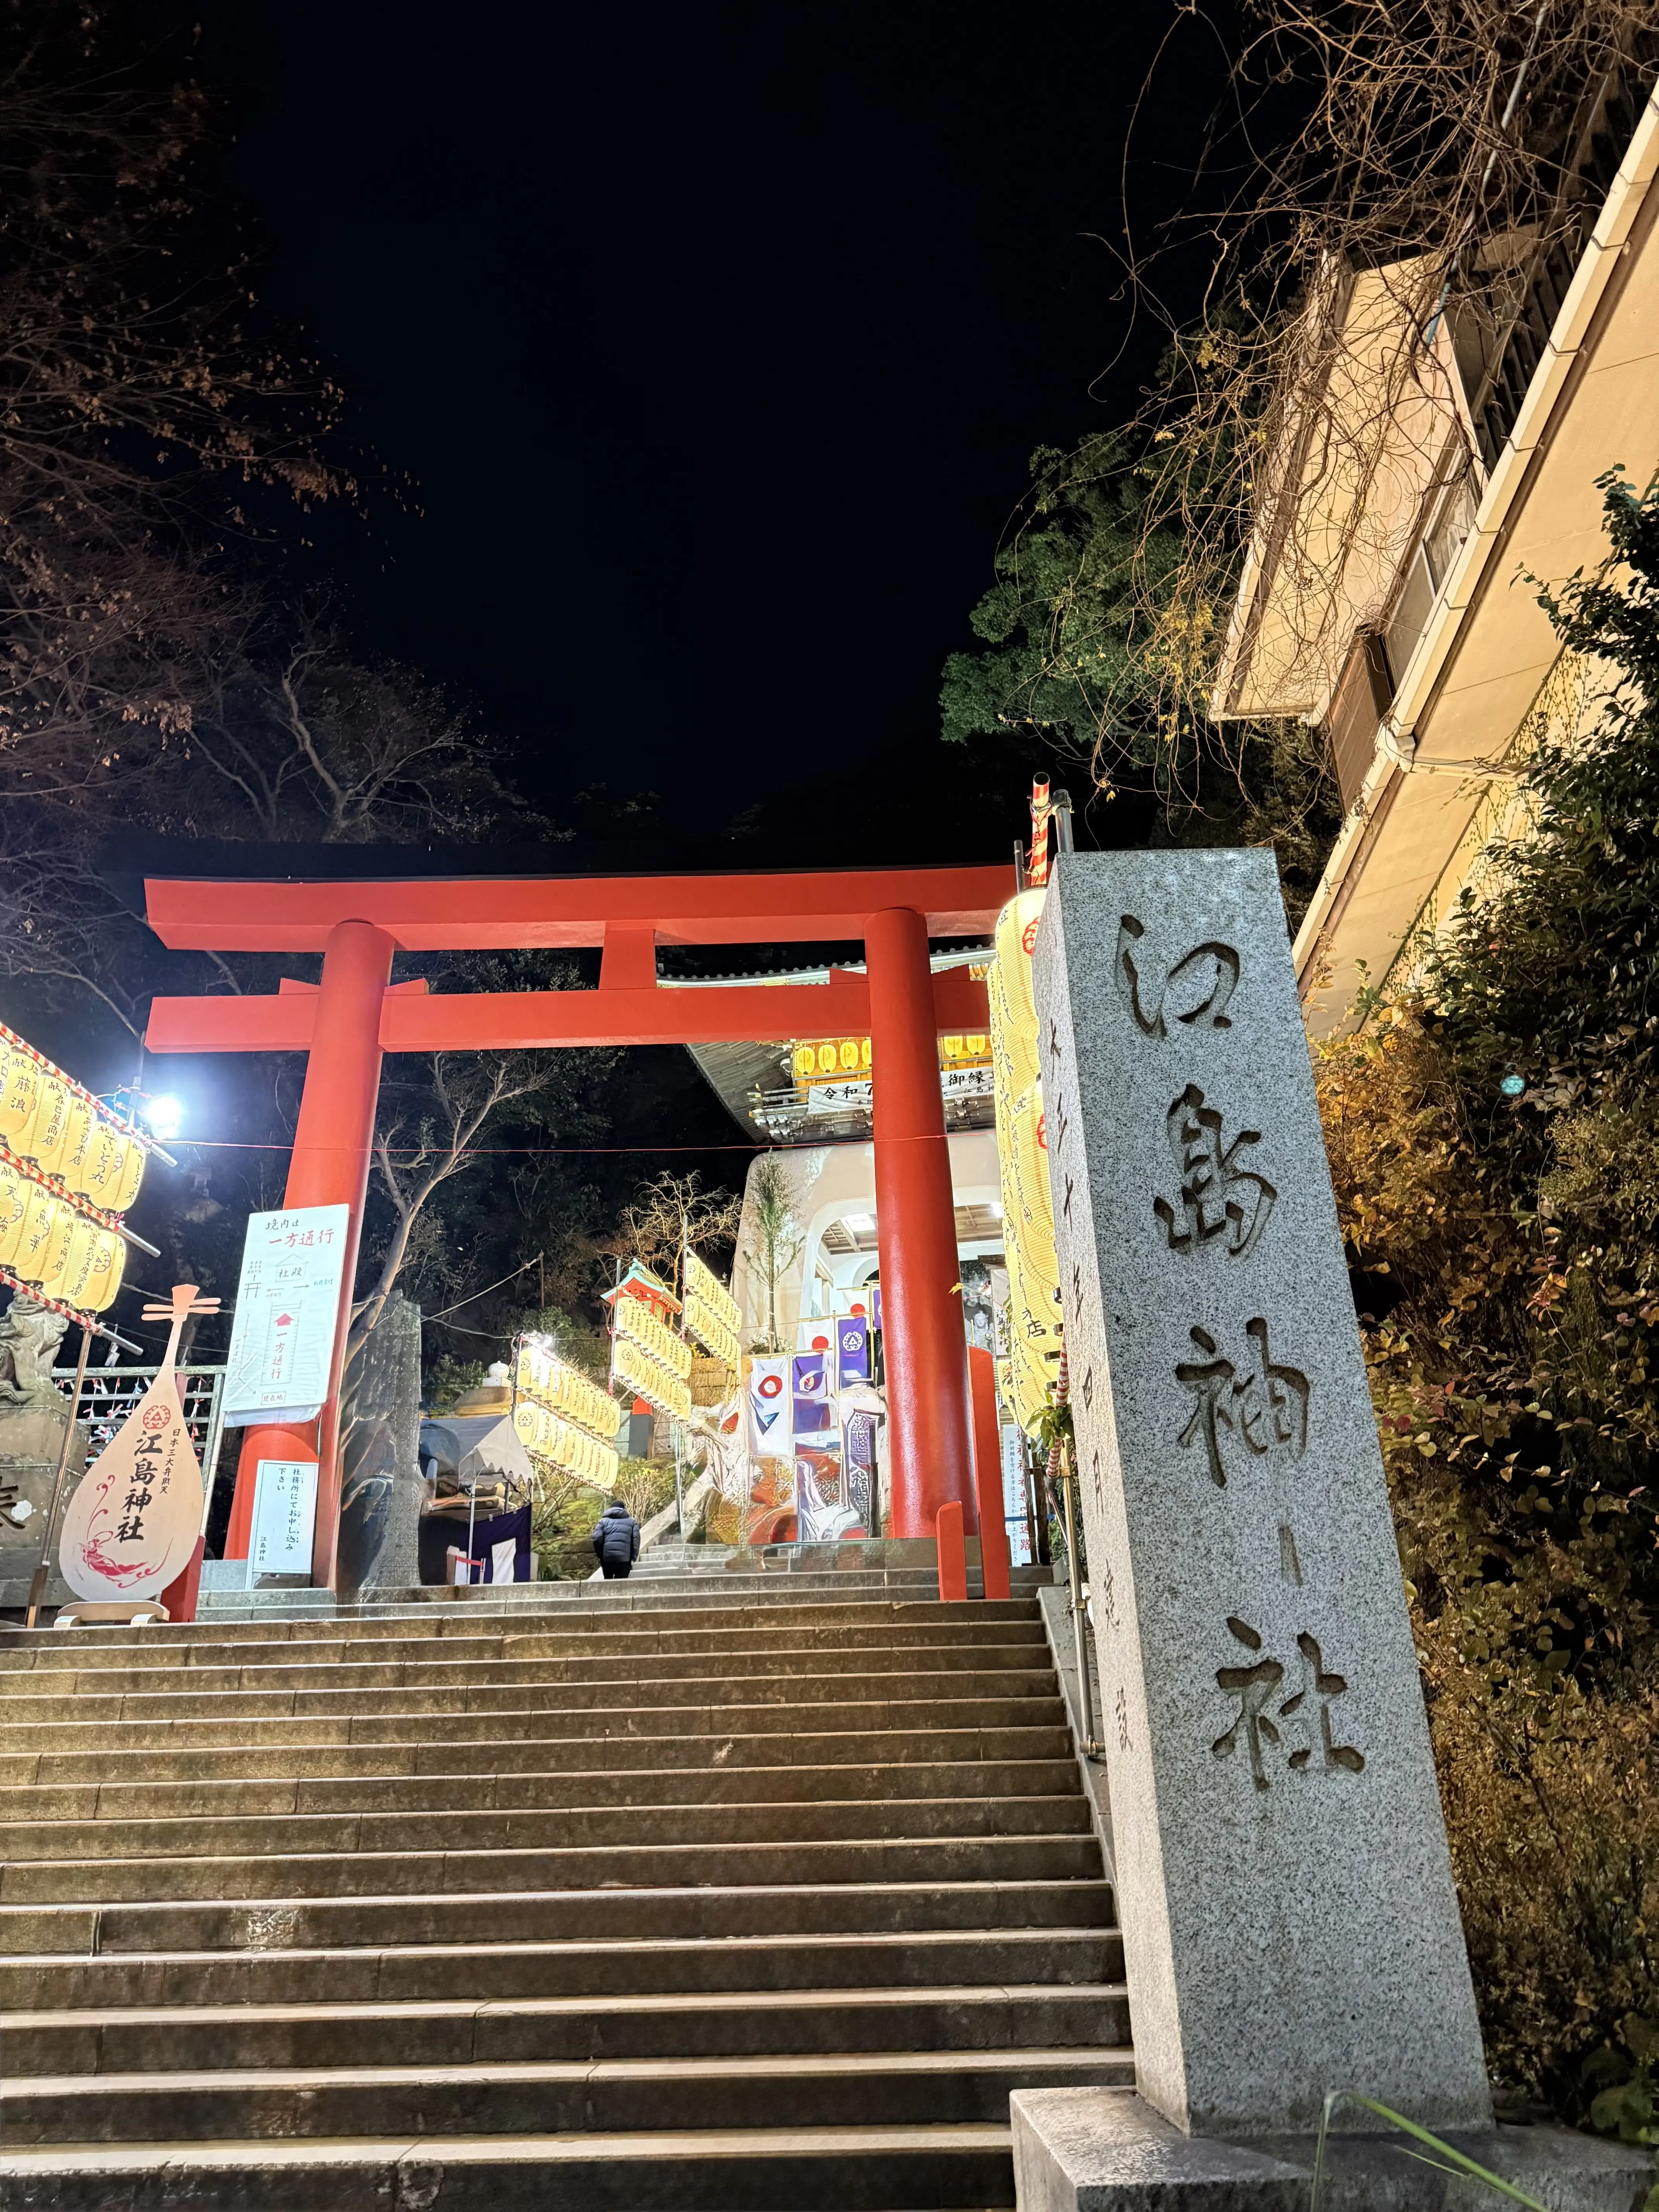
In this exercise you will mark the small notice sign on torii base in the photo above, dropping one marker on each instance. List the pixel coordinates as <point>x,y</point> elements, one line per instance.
<point>1286,1891</point>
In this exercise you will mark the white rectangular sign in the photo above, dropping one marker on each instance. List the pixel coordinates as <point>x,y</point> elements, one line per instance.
<point>282,1342</point>
<point>965,1081</point>
<point>285,1517</point>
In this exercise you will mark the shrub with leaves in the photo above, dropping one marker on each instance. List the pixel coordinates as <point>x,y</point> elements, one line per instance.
<point>1504,1240</point>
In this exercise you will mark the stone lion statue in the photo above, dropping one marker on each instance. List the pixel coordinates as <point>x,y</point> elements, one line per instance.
<point>30,1334</point>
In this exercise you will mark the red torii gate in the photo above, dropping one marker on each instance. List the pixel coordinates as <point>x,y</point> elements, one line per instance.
<point>356,1013</point>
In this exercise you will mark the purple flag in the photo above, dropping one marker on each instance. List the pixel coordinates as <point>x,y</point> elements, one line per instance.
<point>852,1351</point>
<point>810,1372</point>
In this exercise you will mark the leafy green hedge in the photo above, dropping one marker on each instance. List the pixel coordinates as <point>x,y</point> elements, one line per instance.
<point>1494,1140</point>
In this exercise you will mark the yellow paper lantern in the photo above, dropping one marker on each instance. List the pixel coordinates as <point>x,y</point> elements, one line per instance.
<point>92,1272</point>
<point>115,1167</point>
<point>20,1092</point>
<point>1016,938</point>
<point>16,1192</point>
<point>43,1139</point>
<point>75,1136</point>
<point>109,1266</point>
<point>80,1144</point>
<point>44,1246</point>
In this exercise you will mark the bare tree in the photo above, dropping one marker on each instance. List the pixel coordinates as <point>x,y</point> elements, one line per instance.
<point>421,1148</point>
<point>307,740</point>
<point>136,412</point>
<point>290,737</point>
<point>670,1213</point>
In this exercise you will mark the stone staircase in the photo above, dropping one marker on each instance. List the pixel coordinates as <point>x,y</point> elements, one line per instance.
<point>760,1897</point>
<point>899,1567</point>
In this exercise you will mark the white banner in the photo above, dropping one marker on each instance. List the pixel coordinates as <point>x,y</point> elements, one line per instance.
<point>285,1517</point>
<point>767,1393</point>
<point>1014,1496</point>
<point>282,1342</point>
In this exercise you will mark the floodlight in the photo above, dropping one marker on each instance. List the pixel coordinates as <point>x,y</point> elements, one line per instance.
<point>166,1116</point>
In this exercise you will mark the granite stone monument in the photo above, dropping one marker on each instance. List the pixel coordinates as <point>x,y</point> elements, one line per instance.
<point>1290,1922</point>
<point>381,1484</point>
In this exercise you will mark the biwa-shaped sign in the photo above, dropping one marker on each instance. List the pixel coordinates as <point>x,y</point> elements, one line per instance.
<point>134,1519</point>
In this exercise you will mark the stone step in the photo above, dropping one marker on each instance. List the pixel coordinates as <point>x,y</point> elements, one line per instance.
<point>768,1899</point>
<point>472,2031</point>
<point>525,1608</point>
<point>810,1685</point>
<point>88,1656</point>
<point>573,1787</point>
<point>564,1609</point>
<point>459,1755</point>
<point>299,1678</point>
<point>612,1605</point>
<point>596,1827</point>
<point>841,2089</point>
<point>763,2169</point>
<point>606,1922</point>
<point>423,1725</point>
<point>681,1965</point>
<point>74,1656</point>
<point>520,1598</point>
<point>761,1597</point>
<point>935,1857</point>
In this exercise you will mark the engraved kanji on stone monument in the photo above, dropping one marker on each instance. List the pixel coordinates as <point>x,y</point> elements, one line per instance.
<point>1265,1407</point>
<point>1270,1727</point>
<point>1218,1198</point>
<point>1281,1856</point>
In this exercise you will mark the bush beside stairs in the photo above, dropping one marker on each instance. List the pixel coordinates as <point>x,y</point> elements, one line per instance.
<point>761,1895</point>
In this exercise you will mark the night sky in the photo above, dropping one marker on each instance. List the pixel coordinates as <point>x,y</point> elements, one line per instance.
<point>712,345</point>
<point>714,342</point>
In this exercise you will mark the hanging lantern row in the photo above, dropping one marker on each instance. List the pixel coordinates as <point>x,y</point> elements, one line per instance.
<point>713,1316</point>
<point>68,1136</point>
<point>563,1445</point>
<point>561,1417</point>
<point>540,1375</point>
<point>69,1170</point>
<point>634,1319</point>
<point>662,1385</point>
<point>54,1251</point>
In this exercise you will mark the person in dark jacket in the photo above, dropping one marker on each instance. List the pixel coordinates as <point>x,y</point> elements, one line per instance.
<point>617,1541</point>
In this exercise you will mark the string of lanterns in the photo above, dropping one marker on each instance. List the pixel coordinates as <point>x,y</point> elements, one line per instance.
<point>561,1417</point>
<point>712,1315</point>
<point>69,1170</point>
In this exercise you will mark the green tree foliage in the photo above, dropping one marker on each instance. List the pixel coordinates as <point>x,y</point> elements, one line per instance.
<point>1494,1140</point>
<point>1059,620</point>
<point>1090,646</point>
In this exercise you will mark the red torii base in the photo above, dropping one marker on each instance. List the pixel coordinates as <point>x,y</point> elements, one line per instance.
<point>345,1025</point>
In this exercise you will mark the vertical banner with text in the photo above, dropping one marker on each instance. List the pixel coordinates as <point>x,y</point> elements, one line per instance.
<point>282,1342</point>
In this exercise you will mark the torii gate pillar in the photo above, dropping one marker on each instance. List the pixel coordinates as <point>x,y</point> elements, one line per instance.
<point>332,1143</point>
<point>926,1346</point>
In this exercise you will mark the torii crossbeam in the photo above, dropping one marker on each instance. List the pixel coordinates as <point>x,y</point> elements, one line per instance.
<point>356,1013</point>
